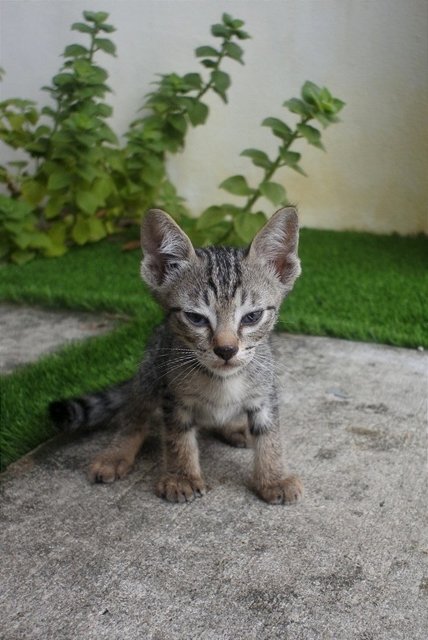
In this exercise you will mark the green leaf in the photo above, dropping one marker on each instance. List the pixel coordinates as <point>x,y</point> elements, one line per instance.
<point>57,235</point>
<point>135,189</point>
<point>105,45</point>
<point>82,27</point>
<point>33,191</point>
<point>325,95</point>
<point>312,135</point>
<point>107,28</point>
<point>54,206</point>
<point>75,50</point>
<point>60,80</point>
<point>5,247</point>
<point>32,116</point>
<point>221,80</point>
<point>291,159</point>
<point>21,257</point>
<point>298,106</point>
<point>206,52</point>
<point>242,35</point>
<point>102,188</point>
<point>208,63</point>
<point>104,110</point>
<point>43,130</point>
<point>214,235</point>
<point>22,238</point>
<point>211,217</point>
<point>234,51</point>
<point>237,185</point>
<point>58,180</point>
<point>219,31</point>
<point>97,230</point>
<point>107,135</point>
<point>259,158</point>
<point>231,22</point>
<point>89,72</point>
<point>97,17</point>
<point>13,209</point>
<point>311,94</point>
<point>80,231</point>
<point>198,113</point>
<point>16,228</point>
<point>338,104</point>
<point>274,192</point>
<point>87,201</point>
<point>246,224</point>
<point>152,175</point>
<point>279,128</point>
<point>178,122</point>
<point>88,171</point>
<point>193,80</point>
<point>47,111</point>
<point>39,240</point>
<point>115,160</point>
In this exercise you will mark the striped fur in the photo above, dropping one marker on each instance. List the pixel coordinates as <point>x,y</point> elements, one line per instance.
<point>91,411</point>
<point>208,365</point>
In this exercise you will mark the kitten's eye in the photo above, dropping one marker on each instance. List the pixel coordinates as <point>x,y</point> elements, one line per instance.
<point>197,319</point>
<point>252,317</point>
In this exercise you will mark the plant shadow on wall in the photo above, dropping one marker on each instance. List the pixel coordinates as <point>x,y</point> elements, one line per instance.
<point>78,184</point>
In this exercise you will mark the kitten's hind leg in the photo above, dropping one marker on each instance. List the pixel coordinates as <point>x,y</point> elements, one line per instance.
<point>235,433</point>
<point>117,460</point>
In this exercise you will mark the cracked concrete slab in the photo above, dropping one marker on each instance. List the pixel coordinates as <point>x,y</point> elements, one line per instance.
<point>350,562</point>
<point>28,333</point>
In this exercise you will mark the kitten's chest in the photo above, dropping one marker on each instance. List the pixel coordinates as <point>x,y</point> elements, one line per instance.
<point>217,402</point>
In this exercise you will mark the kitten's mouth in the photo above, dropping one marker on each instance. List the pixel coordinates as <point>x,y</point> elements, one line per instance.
<point>226,368</point>
<point>227,365</point>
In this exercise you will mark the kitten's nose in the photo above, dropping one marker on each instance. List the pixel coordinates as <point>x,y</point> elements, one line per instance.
<point>227,352</point>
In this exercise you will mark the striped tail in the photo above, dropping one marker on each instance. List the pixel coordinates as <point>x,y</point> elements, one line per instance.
<point>91,411</point>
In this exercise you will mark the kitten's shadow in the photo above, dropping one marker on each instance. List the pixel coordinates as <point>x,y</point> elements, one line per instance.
<point>221,463</point>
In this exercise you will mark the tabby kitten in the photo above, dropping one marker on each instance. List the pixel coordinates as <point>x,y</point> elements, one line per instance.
<point>208,365</point>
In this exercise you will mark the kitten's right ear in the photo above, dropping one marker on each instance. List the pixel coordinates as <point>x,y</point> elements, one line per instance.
<point>165,246</point>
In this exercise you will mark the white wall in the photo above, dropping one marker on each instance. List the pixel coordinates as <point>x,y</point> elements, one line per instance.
<point>371,53</point>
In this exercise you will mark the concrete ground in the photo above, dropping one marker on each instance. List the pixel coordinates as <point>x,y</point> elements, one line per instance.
<point>27,332</point>
<point>350,561</point>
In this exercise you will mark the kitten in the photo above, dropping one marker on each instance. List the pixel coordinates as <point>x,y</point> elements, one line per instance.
<point>208,365</point>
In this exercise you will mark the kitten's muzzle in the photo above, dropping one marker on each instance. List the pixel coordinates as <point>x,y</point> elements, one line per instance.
<point>226,352</point>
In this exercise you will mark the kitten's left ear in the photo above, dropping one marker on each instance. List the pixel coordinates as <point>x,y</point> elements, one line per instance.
<point>276,244</point>
<point>165,246</point>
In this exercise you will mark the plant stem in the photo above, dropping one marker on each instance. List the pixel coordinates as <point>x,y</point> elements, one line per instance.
<point>269,173</point>
<point>209,84</point>
<point>275,165</point>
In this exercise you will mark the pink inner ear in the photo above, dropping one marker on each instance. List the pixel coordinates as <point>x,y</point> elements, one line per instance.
<point>281,263</point>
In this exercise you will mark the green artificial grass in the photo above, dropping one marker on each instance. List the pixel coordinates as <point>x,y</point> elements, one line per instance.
<point>354,285</point>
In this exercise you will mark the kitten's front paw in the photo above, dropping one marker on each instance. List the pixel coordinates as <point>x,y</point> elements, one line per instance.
<point>180,488</point>
<point>287,490</point>
<point>108,467</point>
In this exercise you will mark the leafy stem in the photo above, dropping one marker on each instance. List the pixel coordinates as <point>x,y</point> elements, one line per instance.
<point>276,164</point>
<point>171,108</point>
<point>315,103</point>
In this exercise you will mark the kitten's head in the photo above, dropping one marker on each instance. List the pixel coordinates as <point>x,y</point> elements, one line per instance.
<point>221,301</point>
